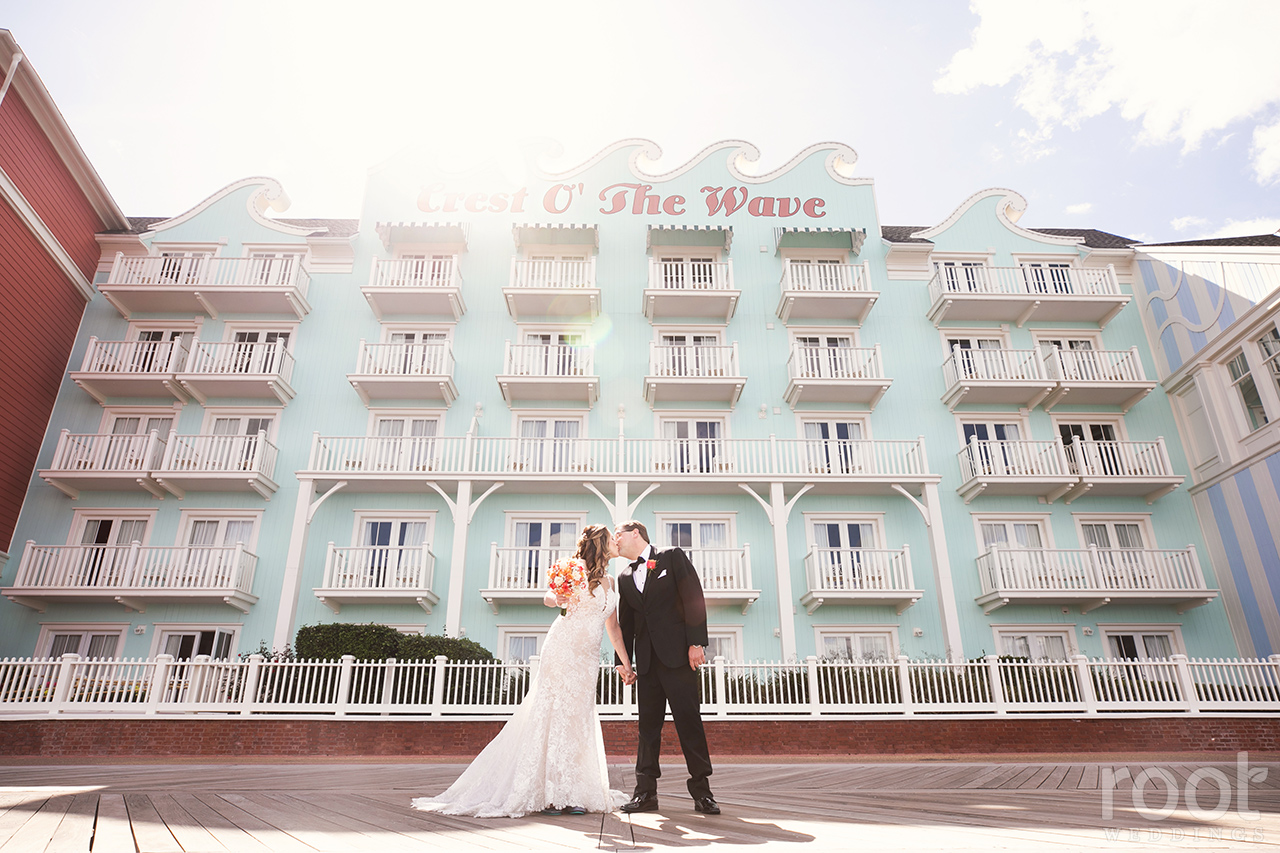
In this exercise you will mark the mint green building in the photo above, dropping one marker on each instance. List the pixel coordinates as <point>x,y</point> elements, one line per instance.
<point>874,440</point>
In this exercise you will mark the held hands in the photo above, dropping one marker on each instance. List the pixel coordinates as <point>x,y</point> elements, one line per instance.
<point>627,674</point>
<point>697,656</point>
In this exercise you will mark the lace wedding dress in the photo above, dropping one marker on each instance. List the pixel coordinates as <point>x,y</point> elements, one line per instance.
<point>551,751</point>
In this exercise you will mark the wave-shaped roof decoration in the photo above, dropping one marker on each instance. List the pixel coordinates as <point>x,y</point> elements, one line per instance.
<point>1007,213</point>
<point>270,196</point>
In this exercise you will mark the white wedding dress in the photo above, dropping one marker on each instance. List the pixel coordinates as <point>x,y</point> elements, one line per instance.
<point>551,751</point>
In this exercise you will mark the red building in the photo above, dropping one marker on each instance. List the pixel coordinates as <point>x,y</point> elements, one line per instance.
<point>52,202</point>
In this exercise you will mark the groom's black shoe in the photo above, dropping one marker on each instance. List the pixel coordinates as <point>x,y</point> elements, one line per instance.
<point>706,805</point>
<point>644,801</point>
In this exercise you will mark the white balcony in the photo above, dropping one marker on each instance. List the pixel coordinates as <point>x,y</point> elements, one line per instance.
<point>1034,468</point>
<point>132,369</point>
<point>1096,378</point>
<point>836,374</point>
<point>1006,376</point>
<point>133,575</point>
<point>563,465</point>
<point>1119,468</point>
<point>405,372</point>
<point>241,369</point>
<point>518,575</point>
<point>213,286</point>
<point>1019,294</point>
<point>725,575</point>
<point>826,292</point>
<point>415,287</point>
<point>690,289</point>
<point>552,288</point>
<point>218,463</point>
<point>543,372</point>
<point>704,374</point>
<point>105,463</point>
<point>859,576</point>
<point>378,574</point>
<point>1092,577</point>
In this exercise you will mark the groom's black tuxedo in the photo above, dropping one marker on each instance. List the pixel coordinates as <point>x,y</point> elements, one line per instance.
<point>658,626</point>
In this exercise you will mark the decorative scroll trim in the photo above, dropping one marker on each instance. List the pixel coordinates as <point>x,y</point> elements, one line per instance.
<point>270,195</point>
<point>1007,214</point>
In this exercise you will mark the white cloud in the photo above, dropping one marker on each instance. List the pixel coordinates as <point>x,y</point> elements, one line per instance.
<point>1182,223</point>
<point>1183,69</point>
<point>1244,228</point>
<point>1083,207</point>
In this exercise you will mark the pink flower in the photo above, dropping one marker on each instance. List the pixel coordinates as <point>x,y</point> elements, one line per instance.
<point>651,565</point>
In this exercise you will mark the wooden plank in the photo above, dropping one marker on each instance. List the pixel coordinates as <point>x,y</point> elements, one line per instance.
<point>228,834</point>
<point>112,833</point>
<point>33,831</point>
<point>75,833</point>
<point>148,828</point>
<point>185,829</point>
<point>1072,779</point>
<point>320,828</point>
<point>265,833</point>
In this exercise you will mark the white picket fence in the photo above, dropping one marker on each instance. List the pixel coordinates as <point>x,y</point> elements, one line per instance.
<point>812,687</point>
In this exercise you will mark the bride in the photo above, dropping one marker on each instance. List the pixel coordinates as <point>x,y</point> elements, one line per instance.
<point>549,757</point>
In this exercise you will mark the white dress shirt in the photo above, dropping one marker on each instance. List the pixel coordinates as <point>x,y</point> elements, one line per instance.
<point>640,573</point>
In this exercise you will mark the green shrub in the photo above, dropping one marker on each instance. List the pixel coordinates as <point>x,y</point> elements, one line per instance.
<point>333,640</point>
<point>427,647</point>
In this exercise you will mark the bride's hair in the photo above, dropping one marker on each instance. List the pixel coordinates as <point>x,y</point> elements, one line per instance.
<point>593,548</point>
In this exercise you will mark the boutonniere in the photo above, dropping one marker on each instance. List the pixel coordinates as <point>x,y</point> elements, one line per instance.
<point>651,565</point>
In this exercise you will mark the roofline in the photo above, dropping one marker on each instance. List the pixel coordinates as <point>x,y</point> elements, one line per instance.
<point>28,85</point>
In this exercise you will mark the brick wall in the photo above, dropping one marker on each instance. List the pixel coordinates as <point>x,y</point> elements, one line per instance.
<point>259,736</point>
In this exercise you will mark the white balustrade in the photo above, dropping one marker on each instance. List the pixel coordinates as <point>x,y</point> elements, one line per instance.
<point>137,567</point>
<point>403,359</point>
<point>553,273</point>
<point>808,362</point>
<point>379,567</point>
<point>1094,365</point>
<point>416,272</point>
<point>1090,570</point>
<point>108,453</point>
<point>826,278</point>
<point>561,360</point>
<point>1013,365</point>
<point>690,275</point>
<point>241,358</point>
<point>206,272</point>
<point>693,361</point>
<point>123,357</point>
<point>212,454</point>
<point>858,570</point>
<point>1012,458</point>
<point>1103,459</point>
<point>1021,281</point>
<point>722,569</point>
<point>522,568</point>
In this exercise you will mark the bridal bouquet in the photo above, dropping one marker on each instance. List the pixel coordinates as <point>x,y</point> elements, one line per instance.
<point>568,577</point>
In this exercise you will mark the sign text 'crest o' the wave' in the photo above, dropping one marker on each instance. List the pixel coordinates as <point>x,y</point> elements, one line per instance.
<point>635,199</point>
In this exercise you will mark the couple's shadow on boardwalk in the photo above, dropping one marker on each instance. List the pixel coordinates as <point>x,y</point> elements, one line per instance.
<point>662,828</point>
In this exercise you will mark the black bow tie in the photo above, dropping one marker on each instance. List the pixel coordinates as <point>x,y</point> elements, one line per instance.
<point>635,564</point>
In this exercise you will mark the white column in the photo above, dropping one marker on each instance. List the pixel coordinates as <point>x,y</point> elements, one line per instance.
<point>943,582</point>
<point>461,508</point>
<point>291,583</point>
<point>778,513</point>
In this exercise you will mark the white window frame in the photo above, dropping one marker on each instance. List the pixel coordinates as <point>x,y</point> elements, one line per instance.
<point>716,332</point>
<point>559,251</point>
<point>185,327</point>
<point>863,419</point>
<point>1142,519</point>
<point>581,330</point>
<point>188,516</point>
<point>1000,332</point>
<point>691,415</point>
<point>1242,417</point>
<point>158,249</point>
<point>513,517</point>
<point>731,633</point>
<point>230,330</point>
<point>1093,336</point>
<point>520,415</point>
<point>875,519</point>
<point>111,413</point>
<point>213,413</point>
<point>1107,629</point>
<point>360,516</point>
<point>376,415</point>
<point>821,632</point>
<point>80,516</point>
<point>1044,519</point>
<point>506,632</point>
<point>851,332</point>
<point>1086,418</point>
<point>729,519</point>
<point>1020,417</point>
<point>161,631</point>
<point>300,250</point>
<point>389,329</point>
<point>813,255</point>
<point>44,641</point>
<point>1061,629</point>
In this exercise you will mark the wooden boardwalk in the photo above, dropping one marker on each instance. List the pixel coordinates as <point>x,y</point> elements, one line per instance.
<point>347,808</point>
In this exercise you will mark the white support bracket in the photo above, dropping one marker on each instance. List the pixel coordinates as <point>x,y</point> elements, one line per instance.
<point>475,504</point>
<point>924,511</point>
<point>315,505</point>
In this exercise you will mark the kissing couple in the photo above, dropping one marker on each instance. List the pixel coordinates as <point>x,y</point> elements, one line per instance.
<point>549,757</point>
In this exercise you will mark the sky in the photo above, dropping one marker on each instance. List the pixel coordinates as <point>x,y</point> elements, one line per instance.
<point>1155,119</point>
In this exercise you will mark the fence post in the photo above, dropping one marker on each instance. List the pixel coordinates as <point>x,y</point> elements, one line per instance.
<point>388,687</point>
<point>437,686</point>
<point>815,699</point>
<point>159,681</point>
<point>722,703</point>
<point>199,670</point>
<point>62,687</point>
<point>251,684</point>
<point>1085,682</point>
<point>1186,683</point>
<point>904,685</point>
<point>997,689</point>
<point>344,685</point>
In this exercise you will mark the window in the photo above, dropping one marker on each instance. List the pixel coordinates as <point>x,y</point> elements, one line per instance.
<point>239,443</point>
<point>424,270</point>
<point>393,552</point>
<point>211,543</point>
<point>1121,552</point>
<point>818,274</point>
<point>986,451</point>
<point>683,354</point>
<point>187,643</point>
<point>534,543</point>
<point>1270,346</point>
<point>518,643</point>
<point>415,352</point>
<point>724,642</point>
<point>1074,360</point>
<point>179,267</point>
<point>87,640</point>
<point>1047,277</point>
<point>834,446</point>
<point>1012,534</point>
<point>686,272</point>
<point>1140,643</point>
<point>1255,415</point>
<point>551,354</point>
<point>826,357</point>
<point>973,358</point>
<point>962,276</point>
<point>550,444</point>
<point>106,540</point>
<point>1020,558</point>
<point>404,442</point>
<point>272,269</point>
<point>160,350</point>
<point>126,448</point>
<point>255,351</point>
<point>856,644</point>
<point>546,268</point>
<point>693,445</point>
<point>1039,644</point>
<point>1102,452</point>
<point>710,543</point>
<point>841,552</point>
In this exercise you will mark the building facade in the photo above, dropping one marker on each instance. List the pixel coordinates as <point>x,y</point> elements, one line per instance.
<point>939,441</point>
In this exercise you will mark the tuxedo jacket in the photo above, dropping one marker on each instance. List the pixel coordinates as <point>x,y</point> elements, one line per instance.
<point>668,617</point>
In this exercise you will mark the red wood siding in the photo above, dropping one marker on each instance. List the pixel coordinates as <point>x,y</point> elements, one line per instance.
<point>31,162</point>
<point>40,312</point>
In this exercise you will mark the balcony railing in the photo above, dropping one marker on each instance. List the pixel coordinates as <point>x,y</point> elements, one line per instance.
<point>826,291</point>
<point>552,288</point>
<point>518,575</point>
<point>239,369</point>
<point>859,575</point>
<point>1022,293</point>
<point>1122,468</point>
<point>690,275</point>
<point>250,285</point>
<point>218,463</point>
<point>693,362</point>
<point>1092,576</point>
<point>549,372</point>
<point>1107,377</point>
<point>555,274</point>
<point>831,374</point>
<point>691,289</point>
<point>134,573</point>
<point>1012,376</point>
<point>404,371</point>
<point>378,574</point>
<point>550,459</point>
<point>1022,467</point>
<point>417,286</point>
<point>725,575</point>
<point>104,461</point>
<point>132,369</point>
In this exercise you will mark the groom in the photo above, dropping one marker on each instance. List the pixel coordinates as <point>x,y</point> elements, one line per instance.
<point>664,624</point>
